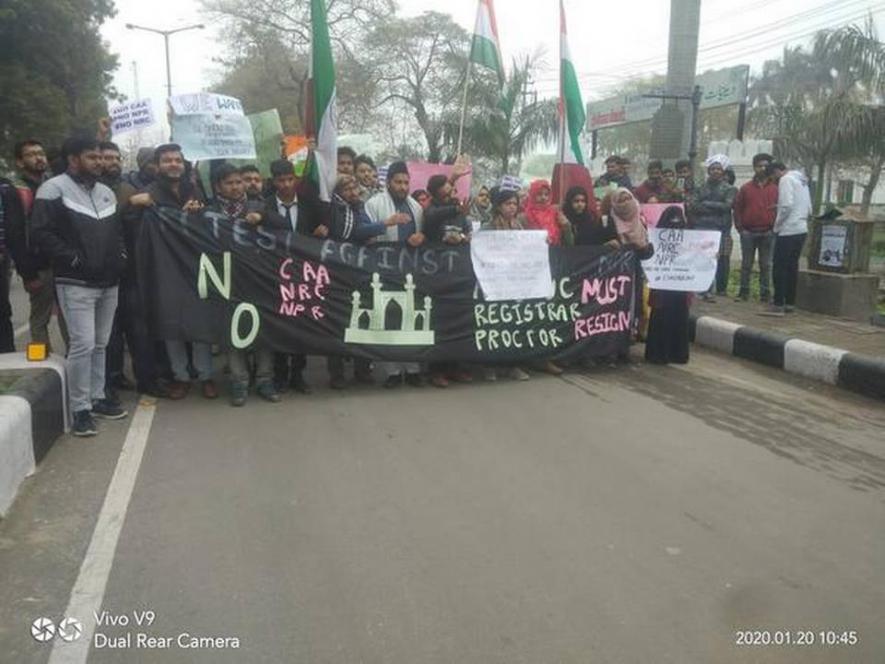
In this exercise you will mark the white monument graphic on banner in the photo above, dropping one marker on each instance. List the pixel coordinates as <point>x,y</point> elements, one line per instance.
<point>369,326</point>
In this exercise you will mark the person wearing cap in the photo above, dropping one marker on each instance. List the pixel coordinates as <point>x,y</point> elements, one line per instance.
<point>380,208</point>
<point>711,211</point>
<point>147,169</point>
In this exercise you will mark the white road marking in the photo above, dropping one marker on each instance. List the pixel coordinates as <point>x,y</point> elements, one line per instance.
<point>88,592</point>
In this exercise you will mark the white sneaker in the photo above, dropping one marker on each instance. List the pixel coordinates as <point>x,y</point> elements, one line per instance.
<point>518,374</point>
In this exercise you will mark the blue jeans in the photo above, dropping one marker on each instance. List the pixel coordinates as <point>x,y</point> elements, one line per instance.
<point>201,355</point>
<point>89,314</point>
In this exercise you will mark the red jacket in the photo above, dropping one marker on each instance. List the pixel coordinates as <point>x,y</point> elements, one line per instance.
<point>755,207</point>
<point>647,190</point>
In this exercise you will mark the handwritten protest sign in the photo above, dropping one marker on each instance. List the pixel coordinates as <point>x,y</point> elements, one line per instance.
<point>210,126</point>
<point>420,172</point>
<point>684,260</point>
<point>132,116</point>
<point>199,103</point>
<point>512,265</point>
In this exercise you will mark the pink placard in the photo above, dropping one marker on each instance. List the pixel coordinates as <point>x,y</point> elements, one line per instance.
<point>420,172</point>
<point>652,211</point>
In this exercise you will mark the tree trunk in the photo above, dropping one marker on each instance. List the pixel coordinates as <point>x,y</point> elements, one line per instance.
<point>819,189</point>
<point>870,188</point>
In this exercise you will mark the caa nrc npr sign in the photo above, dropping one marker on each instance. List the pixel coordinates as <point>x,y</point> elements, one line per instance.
<point>722,87</point>
<point>211,126</point>
<point>131,116</point>
<point>206,277</point>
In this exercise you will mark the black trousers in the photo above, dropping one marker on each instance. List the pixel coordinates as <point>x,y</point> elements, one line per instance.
<point>335,365</point>
<point>723,269</point>
<point>286,367</point>
<point>785,267</point>
<point>131,330</point>
<point>7,334</point>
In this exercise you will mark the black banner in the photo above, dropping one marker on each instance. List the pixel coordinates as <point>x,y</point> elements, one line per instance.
<point>205,277</point>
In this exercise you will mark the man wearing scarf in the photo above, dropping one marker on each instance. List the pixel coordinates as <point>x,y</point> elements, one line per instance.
<point>711,210</point>
<point>383,206</point>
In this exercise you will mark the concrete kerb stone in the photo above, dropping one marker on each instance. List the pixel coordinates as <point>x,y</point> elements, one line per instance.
<point>813,360</point>
<point>859,373</point>
<point>715,333</point>
<point>33,414</point>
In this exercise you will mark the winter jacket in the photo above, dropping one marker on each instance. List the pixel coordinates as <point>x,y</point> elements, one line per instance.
<point>711,206</point>
<point>443,218</point>
<point>28,262</point>
<point>793,204</point>
<point>350,223</point>
<point>76,226</point>
<point>754,207</point>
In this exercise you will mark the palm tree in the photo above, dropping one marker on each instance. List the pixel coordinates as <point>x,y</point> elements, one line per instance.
<point>504,125</point>
<point>824,105</point>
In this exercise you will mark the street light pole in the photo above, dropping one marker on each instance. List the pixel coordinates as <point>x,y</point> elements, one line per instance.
<point>166,34</point>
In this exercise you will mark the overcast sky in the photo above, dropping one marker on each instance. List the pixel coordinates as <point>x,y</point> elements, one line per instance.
<point>609,41</point>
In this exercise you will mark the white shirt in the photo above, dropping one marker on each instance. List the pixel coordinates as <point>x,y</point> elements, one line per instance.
<point>293,207</point>
<point>793,204</point>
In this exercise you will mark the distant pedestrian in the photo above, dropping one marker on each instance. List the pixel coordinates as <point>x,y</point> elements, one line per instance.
<point>790,230</point>
<point>755,208</point>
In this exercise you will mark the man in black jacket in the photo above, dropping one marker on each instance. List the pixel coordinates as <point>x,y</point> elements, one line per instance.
<point>76,225</point>
<point>303,213</point>
<point>11,216</point>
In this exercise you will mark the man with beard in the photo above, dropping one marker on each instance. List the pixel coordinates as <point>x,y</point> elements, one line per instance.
<point>35,270</point>
<point>252,181</point>
<point>76,225</point>
<point>170,189</point>
<point>652,190</point>
<point>112,164</point>
<point>383,206</point>
<point>367,177</point>
<point>711,210</point>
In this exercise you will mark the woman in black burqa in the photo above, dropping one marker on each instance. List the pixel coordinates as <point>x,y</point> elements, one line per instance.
<point>667,340</point>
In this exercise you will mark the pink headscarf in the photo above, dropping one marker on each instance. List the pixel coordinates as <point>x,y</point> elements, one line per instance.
<point>542,217</point>
<point>628,221</point>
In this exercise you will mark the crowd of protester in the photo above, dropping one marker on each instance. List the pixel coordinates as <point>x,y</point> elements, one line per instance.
<point>71,232</point>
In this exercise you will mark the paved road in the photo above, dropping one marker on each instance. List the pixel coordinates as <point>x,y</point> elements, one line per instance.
<point>633,515</point>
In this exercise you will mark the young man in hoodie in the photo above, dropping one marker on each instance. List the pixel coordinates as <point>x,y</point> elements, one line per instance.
<point>754,212</point>
<point>75,223</point>
<point>790,230</point>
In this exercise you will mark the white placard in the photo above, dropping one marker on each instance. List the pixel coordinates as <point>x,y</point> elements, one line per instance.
<point>198,103</point>
<point>512,265</point>
<point>132,116</point>
<point>684,260</point>
<point>214,136</point>
<point>832,246</point>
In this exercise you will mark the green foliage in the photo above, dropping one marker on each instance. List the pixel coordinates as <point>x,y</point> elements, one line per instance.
<point>55,72</point>
<point>502,125</point>
<point>820,105</point>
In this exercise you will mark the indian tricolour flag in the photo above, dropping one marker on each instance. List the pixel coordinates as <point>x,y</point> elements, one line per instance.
<point>485,49</point>
<point>322,119</point>
<point>571,109</point>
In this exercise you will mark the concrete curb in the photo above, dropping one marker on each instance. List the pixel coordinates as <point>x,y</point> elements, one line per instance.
<point>859,373</point>
<point>32,417</point>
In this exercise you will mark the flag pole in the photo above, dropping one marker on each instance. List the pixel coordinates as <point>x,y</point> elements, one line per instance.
<point>464,107</point>
<point>562,111</point>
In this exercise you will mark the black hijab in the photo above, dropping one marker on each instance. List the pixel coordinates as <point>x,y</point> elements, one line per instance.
<point>586,216</point>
